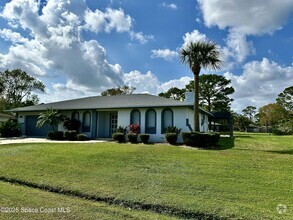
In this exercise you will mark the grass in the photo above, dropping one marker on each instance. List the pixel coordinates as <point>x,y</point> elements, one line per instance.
<point>19,202</point>
<point>245,179</point>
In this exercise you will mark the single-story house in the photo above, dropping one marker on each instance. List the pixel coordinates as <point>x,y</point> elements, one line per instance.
<point>100,115</point>
<point>5,117</point>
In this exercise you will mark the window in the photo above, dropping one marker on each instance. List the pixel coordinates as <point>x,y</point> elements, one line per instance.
<point>75,115</point>
<point>86,122</point>
<point>150,121</point>
<point>167,119</point>
<point>135,117</point>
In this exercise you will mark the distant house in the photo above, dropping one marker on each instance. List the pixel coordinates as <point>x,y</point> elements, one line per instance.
<point>100,115</point>
<point>5,117</point>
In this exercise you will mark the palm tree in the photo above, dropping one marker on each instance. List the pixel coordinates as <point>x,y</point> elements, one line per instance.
<point>51,117</point>
<point>199,55</point>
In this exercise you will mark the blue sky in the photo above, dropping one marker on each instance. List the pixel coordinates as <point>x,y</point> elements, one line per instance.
<point>82,47</point>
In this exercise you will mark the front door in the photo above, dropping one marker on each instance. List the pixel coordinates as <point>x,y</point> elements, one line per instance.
<point>113,123</point>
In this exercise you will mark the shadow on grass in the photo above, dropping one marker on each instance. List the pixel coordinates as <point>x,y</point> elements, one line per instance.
<point>225,143</point>
<point>242,136</point>
<point>290,152</point>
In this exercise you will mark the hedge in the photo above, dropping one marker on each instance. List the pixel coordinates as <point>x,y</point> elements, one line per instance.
<point>82,137</point>
<point>171,138</point>
<point>119,137</point>
<point>198,139</point>
<point>56,135</point>
<point>132,138</point>
<point>10,128</point>
<point>144,138</point>
<point>71,135</point>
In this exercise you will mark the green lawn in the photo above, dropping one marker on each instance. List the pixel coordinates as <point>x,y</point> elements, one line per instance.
<point>19,202</point>
<point>246,179</point>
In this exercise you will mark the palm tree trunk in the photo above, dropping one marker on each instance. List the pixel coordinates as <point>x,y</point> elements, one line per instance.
<point>196,102</point>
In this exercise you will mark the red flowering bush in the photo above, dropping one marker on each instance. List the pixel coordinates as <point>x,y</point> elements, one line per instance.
<point>134,129</point>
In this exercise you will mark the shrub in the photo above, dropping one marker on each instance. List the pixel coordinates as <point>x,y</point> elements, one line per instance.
<point>71,124</point>
<point>186,138</point>
<point>198,139</point>
<point>56,135</point>
<point>191,138</point>
<point>134,129</point>
<point>82,137</point>
<point>172,129</point>
<point>121,129</point>
<point>70,135</point>
<point>119,137</point>
<point>144,138</point>
<point>10,128</point>
<point>171,138</point>
<point>213,139</point>
<point>132,138</point>
<point>284,127</point>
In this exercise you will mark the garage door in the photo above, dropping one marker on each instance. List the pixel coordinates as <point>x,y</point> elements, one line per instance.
<point>32,130</point>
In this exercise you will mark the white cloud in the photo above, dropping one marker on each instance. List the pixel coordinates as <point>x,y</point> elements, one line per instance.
<point>56,46</point>
<point>140,37</point>
<point>179,83</point>
<point>111,19</point>
<point>149,83</point>
<point>166,54</point>
<point>246,17</point>
<point>260,83</point>
<point>243,18</point>
<point>171,6</point>
<point>14,37</point>
<point>144,83</point>
<point>236,50</point>
<point>65,91</point>
<point>192,37</point>
<point>188,37</point>
<point>239,47</point>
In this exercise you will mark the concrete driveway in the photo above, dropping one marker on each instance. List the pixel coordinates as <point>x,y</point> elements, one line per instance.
<point>22,140</point>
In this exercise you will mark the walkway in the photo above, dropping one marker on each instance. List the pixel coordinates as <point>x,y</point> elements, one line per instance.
<point>21,140</point>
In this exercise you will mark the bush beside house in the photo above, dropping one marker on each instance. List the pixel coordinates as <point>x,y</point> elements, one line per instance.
<point>56,135</point>
<point>10,128</point>
<point>70,135</point>
<point>198,139</point>
<point>134,130</point>
<point>82,137</point>
<point>171,134</point>
<point>119,137</point>
<point>144,138</point>
<point>132,138</point>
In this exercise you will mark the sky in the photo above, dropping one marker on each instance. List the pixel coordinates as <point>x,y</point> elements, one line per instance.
<point>80,48</point>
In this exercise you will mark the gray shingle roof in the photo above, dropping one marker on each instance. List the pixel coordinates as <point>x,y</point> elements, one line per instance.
<point>107,102</point>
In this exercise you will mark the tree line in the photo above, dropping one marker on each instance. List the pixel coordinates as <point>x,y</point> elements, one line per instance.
<point>277,116</point>
<point>214,91</point>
